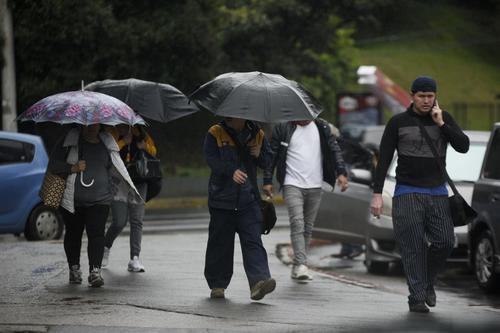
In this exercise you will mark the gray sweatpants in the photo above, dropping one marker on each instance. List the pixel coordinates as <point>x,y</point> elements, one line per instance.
<point>303,205</point>
<point>123,212</point>
<point>424,232</point>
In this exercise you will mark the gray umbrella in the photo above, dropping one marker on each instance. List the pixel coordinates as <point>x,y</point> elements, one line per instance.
<point>156,101</point>
<point>256,96</point>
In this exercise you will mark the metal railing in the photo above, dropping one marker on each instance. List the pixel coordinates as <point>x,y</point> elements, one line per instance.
<point>476,116</point>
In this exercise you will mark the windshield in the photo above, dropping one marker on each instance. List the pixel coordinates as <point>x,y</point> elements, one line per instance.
<point>460,167</point>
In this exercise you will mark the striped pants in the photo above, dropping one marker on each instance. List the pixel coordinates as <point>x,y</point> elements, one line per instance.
<point>424,232</point>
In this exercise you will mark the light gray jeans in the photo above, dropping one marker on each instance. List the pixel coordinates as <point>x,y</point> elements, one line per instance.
<point>303,205</point>
<point>123,212</point>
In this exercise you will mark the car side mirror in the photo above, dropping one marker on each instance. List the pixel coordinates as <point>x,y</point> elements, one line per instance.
<point>361,176</point>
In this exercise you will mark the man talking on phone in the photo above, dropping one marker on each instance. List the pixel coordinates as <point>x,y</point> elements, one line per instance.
<point>420,211</point>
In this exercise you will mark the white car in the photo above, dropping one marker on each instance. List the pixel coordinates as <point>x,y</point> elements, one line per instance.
<point>345,216</point>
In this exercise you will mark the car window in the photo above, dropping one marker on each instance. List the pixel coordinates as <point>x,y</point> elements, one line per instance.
<point>12,151</point>
<point>460,167</point>
<point>492,166</point>
<point>465,167</point>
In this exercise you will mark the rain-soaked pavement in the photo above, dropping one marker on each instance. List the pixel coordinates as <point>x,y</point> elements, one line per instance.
<point>172,294</point>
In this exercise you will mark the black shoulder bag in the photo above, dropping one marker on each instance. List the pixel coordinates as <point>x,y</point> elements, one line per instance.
<point>461,212</point>
<point>267,207</point>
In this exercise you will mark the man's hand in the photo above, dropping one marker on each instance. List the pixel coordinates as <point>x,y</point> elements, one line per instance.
<point>437,114</point>
<point>268,190</point>
<point>254,149</point>
<point>342,183</point>
<point>79,166</point>
<point>377,204</point>
<point>239,177</point>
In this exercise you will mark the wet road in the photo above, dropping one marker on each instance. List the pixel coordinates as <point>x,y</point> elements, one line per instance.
<point>173,295</point>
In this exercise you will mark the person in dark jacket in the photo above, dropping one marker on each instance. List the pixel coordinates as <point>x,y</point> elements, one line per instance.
<point>233,149</point>
<point>305,153</point>
<point>420,211</point>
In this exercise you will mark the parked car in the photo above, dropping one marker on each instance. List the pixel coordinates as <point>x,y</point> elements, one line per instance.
<point>484,234</point>
<point>345,216</point>
<point>23,161</point>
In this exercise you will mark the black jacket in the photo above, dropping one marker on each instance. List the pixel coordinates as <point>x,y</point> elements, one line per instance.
<point>333,163</point>
<point>222,156</point>
<point>417,165</point>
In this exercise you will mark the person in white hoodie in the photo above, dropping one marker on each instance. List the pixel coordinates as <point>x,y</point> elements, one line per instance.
<point>95,174</point>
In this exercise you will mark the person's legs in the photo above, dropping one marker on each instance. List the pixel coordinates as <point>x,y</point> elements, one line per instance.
<point>73,236</point>
<point>95,223</point>
<point>312,200</point>
<point>220,248</point>
<point>294,199</point>
<point>73,243</point>
<point>439,233</point>
<point>408,215</point>
<point>136,215</point>
<point>249,227</point>
<point>119,213</point>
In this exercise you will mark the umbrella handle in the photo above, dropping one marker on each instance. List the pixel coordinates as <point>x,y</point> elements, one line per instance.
<point>83,183</point>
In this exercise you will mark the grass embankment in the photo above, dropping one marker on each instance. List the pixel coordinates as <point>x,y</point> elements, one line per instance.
<point>453,45</point>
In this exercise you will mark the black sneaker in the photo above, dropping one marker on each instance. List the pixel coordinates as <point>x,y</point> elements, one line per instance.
<point>75,275</point>
<point>430,300</point>
<point>262,288</point>
<point>95,278</point>
<point>418,307</point>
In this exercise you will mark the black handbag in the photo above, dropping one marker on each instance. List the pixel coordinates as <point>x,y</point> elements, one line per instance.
<point>144,167</point>
<point>268,216</point>
<point>461,212</point>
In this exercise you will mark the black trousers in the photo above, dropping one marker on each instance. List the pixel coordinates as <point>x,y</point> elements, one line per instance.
<point>93,220</point>
<point>220,247</point>
<point>424,232</point>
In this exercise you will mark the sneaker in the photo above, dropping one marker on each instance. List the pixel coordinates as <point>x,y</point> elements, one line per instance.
<point>135,265</point>
<point>262,288</point>
<point>105,257</point>
<point>430,300</point>
<point>95,278</point>
<point>75,275</point>
<point>301,272</point>
<point>217,293</point>
<point>418,307</point>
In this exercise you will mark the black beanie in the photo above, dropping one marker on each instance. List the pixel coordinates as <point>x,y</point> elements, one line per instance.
<point>424,84</point>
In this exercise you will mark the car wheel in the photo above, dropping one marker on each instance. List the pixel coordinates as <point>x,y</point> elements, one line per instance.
<point>44,223</point>
<point>373,266</point>
<point>484,265</point>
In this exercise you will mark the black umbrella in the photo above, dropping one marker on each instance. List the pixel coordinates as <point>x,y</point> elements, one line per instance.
<point>156,101</point>
<point>256,96</point>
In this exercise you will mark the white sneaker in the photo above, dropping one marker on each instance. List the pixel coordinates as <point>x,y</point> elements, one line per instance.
<point>135,265</point>
<point>301,272</point>
<point>105,257</point>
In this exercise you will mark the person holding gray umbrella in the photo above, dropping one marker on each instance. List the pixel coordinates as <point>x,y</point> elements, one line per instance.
<point>233,149</point>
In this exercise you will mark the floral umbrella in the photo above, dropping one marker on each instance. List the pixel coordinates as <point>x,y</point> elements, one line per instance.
<point>81,107</point>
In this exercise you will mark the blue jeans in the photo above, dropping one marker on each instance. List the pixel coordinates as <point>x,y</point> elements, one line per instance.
<point>123,212</point>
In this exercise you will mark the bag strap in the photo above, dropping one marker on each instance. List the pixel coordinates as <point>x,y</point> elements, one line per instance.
<point>435,153</point>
